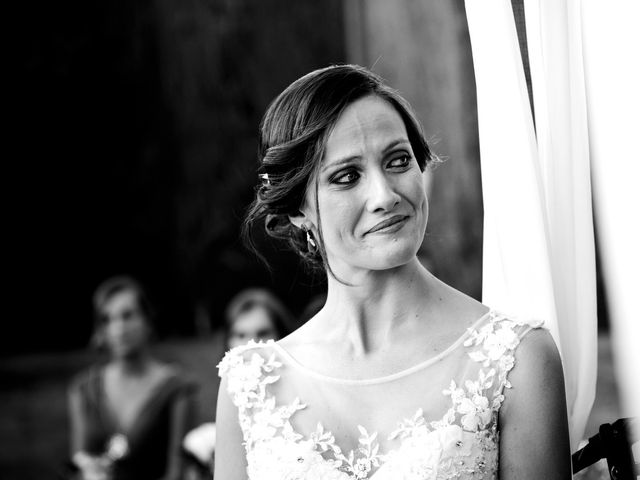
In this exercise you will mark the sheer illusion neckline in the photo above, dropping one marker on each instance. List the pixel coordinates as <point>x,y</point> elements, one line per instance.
<point>384,378</point>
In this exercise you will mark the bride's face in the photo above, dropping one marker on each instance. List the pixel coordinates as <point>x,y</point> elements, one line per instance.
<point>371,197</point>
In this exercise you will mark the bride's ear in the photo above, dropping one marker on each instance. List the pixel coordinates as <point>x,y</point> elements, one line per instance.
<point>298,220</point>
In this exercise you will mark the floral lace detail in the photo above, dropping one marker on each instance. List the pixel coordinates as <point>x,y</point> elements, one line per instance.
<point>441,452</point>
<point>260,419</point>
<point>495,344</point>
<point>368,455</point>
<point>462,444</point>
<point>274,449</point>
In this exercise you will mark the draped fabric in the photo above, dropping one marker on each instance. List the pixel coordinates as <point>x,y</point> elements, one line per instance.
<point>611,40</point>
<point>539,255</point>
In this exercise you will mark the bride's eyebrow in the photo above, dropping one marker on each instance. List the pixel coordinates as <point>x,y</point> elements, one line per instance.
<point>396,143</point>
<point>341,162</point>
<point>351,158</point>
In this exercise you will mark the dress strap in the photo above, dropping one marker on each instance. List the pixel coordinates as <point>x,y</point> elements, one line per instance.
<point>493,346</point>
<point>249,369</point>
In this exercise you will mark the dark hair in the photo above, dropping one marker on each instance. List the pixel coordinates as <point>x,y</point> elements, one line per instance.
<point>293,134</point>
<point>258,297</point>
<point>107,290</point>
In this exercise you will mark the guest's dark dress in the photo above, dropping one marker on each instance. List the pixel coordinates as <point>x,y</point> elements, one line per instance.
<point>148,438</point>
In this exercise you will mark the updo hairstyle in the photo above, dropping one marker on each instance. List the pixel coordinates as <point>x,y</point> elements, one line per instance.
<point>293,135</point>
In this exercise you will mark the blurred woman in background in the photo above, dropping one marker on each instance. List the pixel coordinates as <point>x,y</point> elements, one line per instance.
<point>252,314</point>
<point>128,416</point>
<point>257,314</point>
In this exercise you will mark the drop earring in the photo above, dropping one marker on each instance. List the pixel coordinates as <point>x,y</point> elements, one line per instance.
<point>312,246</point>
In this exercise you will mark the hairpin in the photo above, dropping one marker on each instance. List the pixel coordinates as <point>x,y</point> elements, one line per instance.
<point>265,178</point>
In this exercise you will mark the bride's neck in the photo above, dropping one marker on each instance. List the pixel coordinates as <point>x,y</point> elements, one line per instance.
<point>369,310</point>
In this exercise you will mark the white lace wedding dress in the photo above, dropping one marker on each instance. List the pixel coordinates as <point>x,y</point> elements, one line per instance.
<point>435,420</point>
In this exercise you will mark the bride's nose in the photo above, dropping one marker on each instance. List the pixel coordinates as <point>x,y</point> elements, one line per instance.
<point>381,195</point>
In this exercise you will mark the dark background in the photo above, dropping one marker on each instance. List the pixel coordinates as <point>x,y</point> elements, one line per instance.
<point>138,123</point>
<point>132,148</point>
<point>135,125</point>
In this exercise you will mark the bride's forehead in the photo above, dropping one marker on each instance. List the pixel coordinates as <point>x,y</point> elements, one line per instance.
<point>370,122</point>
<point>366,113</point>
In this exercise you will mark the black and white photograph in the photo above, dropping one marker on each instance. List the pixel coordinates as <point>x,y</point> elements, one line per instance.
<point>322,240</point>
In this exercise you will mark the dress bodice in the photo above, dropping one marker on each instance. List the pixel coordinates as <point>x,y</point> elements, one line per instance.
<point>435,420</point>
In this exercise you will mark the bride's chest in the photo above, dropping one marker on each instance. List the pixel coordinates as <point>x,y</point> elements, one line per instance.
<point>418,428</point>
<point>436,420</point>
<point>343,409</point>
<point>416,449</point>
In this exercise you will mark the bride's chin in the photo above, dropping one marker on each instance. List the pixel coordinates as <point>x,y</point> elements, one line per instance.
<point>395,254</point>
<point>396,261</point>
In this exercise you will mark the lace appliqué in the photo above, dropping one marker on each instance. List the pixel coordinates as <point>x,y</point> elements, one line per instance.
<point>465,441</point>
<point>437,450</point>
<point>274,449</point>
<point>462,444</point>
<point>493,345</point>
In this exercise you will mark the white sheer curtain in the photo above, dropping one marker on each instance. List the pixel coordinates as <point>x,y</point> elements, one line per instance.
<point>539,258</point>
<point>611,41</point>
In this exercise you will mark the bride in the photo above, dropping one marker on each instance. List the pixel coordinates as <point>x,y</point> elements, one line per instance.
<point>399,376</point>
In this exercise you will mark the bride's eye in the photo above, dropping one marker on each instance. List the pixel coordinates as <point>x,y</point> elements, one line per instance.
<point>401,161</point>
<point>345,177</point>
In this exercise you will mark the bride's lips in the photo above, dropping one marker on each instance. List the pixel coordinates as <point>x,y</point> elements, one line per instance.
<point>391,224</point>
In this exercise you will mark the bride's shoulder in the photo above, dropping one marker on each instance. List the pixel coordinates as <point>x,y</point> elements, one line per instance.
<point>495,319</point>
<point>246,371</point>
<point>533,348</point>
<point>537,346</point>
<point>537,378</point>
<point>257,354</point>
<point>498,337</point>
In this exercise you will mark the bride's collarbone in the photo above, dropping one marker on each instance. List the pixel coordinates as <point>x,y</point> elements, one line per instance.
<point>341,361</point>
<point>333,355</point>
